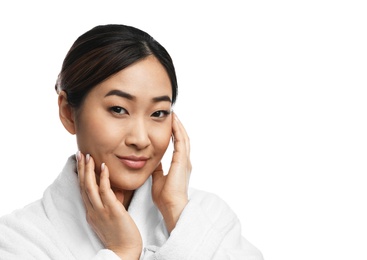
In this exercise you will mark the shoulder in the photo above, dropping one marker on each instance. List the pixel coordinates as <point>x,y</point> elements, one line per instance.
<point>27,233</point>
<point>205,197</point>
<point>27,217</point>
<point>22,226</point>
<point>212,205</point>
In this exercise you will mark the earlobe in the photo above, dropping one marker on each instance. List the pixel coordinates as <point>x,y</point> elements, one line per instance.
<point>66,113</point>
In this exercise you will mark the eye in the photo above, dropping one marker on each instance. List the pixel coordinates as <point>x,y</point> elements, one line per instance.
<point>161,113</point>
<point>118,110</point>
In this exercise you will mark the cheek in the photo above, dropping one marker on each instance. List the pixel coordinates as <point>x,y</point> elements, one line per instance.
<point>161,137</point>
<point>93,135</point>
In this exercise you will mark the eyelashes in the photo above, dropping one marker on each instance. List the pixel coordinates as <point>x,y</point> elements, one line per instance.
<point>161,113</point>
<point>117,110</point>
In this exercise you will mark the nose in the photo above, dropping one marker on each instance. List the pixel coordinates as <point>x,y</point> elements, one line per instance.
<point>137,135</point>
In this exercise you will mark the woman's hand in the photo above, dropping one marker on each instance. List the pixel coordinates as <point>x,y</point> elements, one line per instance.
<point>170,192</point>
<point>105,213</point>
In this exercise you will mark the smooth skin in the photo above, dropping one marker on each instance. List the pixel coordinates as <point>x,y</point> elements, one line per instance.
<point>128,115</point>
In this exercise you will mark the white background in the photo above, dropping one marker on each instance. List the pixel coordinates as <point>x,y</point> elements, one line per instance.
<point>272,93</point>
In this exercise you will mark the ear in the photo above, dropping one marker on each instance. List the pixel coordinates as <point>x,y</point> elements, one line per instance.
<point>66,113</point>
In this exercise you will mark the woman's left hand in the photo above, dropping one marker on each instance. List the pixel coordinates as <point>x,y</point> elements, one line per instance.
<point>170,192</point>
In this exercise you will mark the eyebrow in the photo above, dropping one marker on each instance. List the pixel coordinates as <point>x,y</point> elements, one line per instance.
<point>116,92</point>
<point>162,98</point>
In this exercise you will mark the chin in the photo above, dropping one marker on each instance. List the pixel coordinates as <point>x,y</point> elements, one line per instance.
<point>130,182</point>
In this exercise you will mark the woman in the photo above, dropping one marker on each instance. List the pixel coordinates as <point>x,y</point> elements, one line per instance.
<point>112,200</point>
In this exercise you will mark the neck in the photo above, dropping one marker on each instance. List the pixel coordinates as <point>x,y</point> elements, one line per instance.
<point>124,196</point>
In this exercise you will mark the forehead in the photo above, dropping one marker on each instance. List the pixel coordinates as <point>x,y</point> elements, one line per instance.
<point>145,78</point>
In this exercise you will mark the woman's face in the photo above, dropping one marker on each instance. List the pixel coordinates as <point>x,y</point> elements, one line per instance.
<point>126,122</point>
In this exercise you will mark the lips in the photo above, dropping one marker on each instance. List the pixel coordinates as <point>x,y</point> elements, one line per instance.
<point>133,162</point>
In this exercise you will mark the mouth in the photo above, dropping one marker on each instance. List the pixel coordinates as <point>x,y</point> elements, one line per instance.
<point>133,162</point>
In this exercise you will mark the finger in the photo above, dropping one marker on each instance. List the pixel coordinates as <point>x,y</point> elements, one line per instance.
<point>90,183</point>
<point>181,138</point>
<point>108,197</point>
<point>81,177</point>
<point>180,133</point>
<point>80,166</point>
<point>182,145</point>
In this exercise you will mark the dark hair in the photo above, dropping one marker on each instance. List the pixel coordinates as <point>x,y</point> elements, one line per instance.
<point>103,51</point>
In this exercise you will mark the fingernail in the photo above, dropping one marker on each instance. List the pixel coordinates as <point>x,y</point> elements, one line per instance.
<point>78,156</point>
<point>87,157</point>
<point>102,166</point>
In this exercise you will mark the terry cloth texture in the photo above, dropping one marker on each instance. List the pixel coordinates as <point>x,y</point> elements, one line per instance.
<point>55,227</point>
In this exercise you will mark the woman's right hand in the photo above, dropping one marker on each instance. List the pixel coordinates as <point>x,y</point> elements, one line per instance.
<point>105,213</point>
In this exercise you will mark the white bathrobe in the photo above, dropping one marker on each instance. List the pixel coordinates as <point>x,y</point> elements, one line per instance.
<point>55,227</point>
